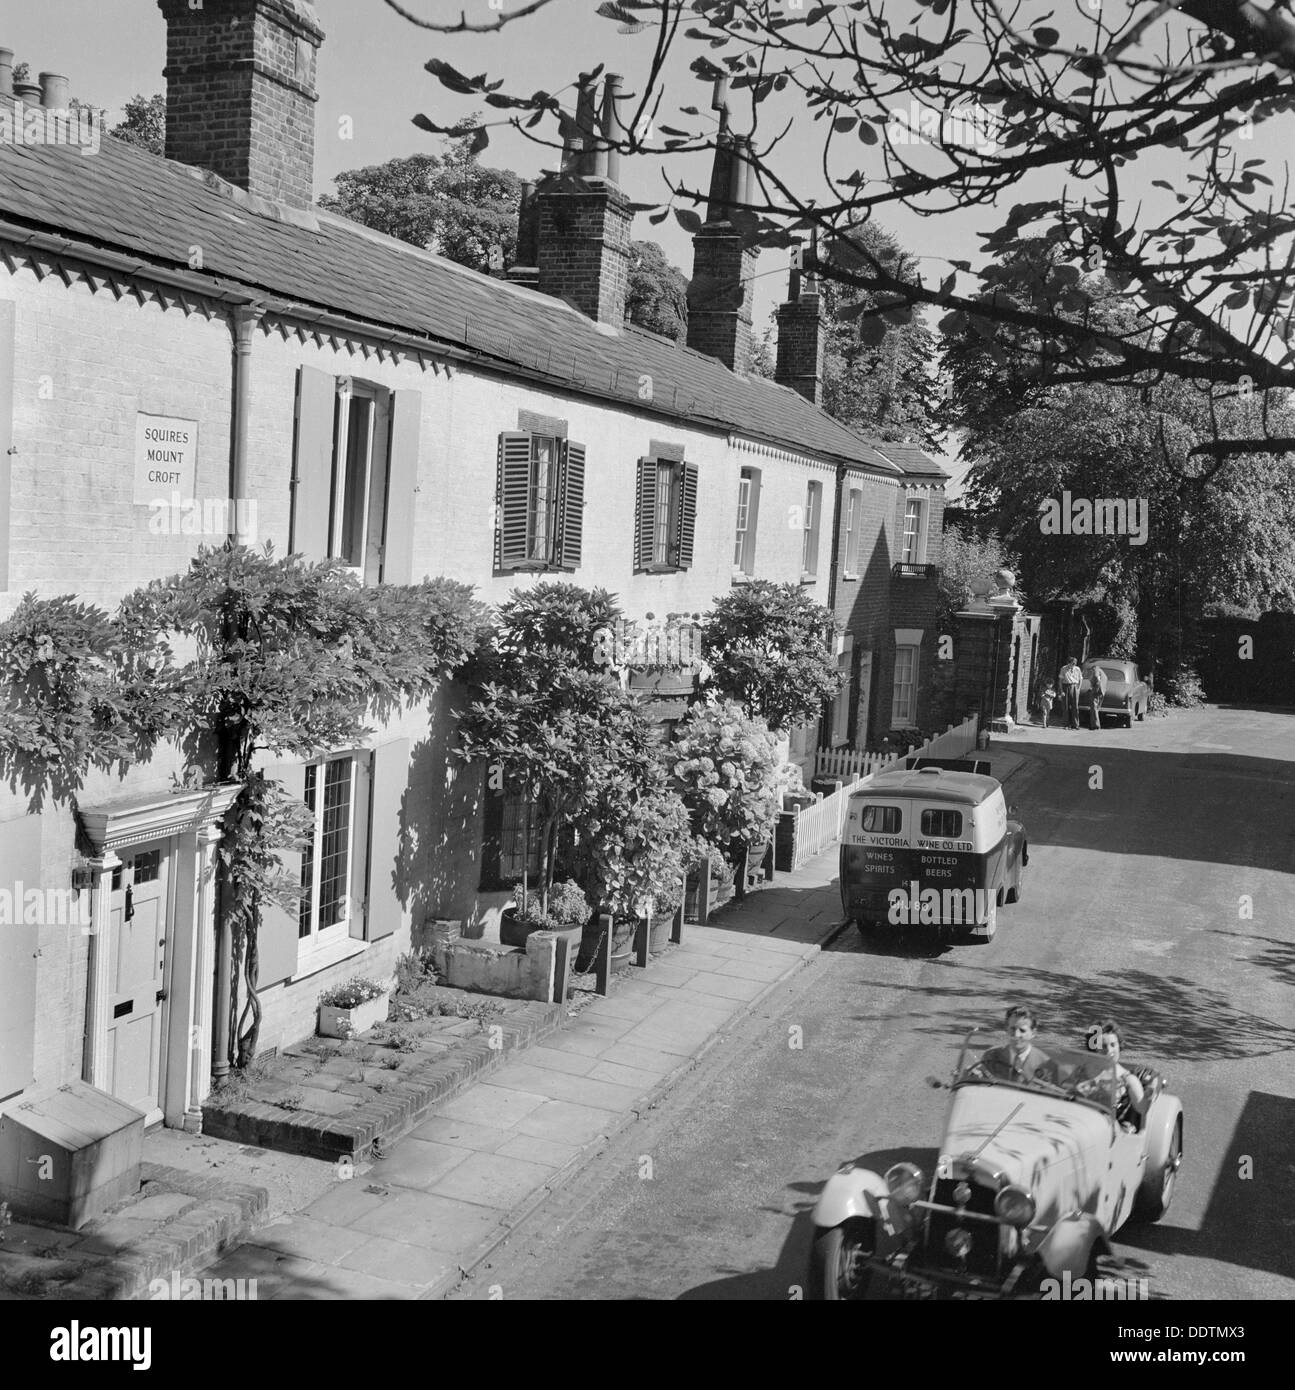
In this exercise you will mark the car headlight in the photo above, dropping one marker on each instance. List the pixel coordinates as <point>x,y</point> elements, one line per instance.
<point>904,1182</point>
<point>1015,1206</point>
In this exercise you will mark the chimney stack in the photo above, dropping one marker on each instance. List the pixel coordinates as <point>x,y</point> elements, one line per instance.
<point>582,218</point>
<point>801,332</point>
<point>722,290</point>
<point>240,93</point>
<point>53,91</point>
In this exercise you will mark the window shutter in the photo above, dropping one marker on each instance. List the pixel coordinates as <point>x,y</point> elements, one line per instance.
<point>512,497</point>
<point>312,463</point>
<point>402,483</point>
<point>752,522</point>
<point>571,513</point>
<point>687,514</point>
<point>6,438</point>
<point>19,942</point>
<point>387,873</point>
<point>277,938</point>
<point>492,816</point>
<point>645,515</point>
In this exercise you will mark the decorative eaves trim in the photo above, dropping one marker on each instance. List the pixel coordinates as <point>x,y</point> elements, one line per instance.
<point>773,451</point>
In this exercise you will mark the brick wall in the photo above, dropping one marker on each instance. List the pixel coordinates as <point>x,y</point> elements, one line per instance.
<point>584,250</point>
<point>241,93</point>
<point>720,296</point>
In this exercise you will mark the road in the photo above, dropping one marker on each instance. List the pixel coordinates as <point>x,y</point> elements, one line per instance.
<point>1162,897</point>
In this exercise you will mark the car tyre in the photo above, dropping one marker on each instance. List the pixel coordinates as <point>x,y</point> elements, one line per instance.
<point>1142,713</point>
<point>834,1275</point>
<point>1157,1189</point>
<point>983,934</point>
<point>1014,892</point>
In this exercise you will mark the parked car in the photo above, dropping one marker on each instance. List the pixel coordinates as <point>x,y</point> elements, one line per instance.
<point>1127,694</point>
<point>1032,1180</point>
<point>931,847</point>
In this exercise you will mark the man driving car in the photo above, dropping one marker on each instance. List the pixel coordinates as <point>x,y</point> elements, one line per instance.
<point>1018,1059</point>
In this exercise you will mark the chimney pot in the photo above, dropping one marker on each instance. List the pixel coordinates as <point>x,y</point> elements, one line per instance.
<point>53,91</point>
<point>6,72</point>
<point>613,129</point>
<point>27,92</point>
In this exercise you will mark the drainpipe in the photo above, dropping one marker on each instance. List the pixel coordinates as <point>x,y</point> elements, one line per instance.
<point>246,317</point>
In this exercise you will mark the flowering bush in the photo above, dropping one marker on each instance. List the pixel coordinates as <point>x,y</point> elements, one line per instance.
<point>567,907</point>
<point>641,853</point>
<point>352,994</point>
<point>727,770</point>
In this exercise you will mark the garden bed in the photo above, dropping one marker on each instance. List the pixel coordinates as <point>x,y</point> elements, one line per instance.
<point>327,1098</point>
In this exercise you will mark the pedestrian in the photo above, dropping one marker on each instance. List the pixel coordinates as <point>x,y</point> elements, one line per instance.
<point>1045,702</point>
<point>1071,675</point>
<point>1097,680</point>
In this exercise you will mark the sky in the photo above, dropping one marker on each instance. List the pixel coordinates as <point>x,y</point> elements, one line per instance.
<point>372,82</point>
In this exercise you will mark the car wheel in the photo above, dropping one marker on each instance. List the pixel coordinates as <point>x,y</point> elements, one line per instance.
<point>1157,1189</point>
<point>864,926</point>
<point>1014,892</point>
<point>836,1271</point>
<point>984,933</point>
<point>1142,713</point>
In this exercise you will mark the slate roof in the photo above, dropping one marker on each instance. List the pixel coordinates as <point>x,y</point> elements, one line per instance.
<point>126,200</point>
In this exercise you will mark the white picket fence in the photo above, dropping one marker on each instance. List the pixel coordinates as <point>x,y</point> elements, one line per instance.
<point>823,823</point>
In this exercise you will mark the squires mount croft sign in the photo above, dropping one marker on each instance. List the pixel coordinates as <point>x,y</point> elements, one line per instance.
<point>166,457</point>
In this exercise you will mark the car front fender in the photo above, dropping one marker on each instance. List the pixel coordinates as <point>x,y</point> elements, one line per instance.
<point>861,1194</point>
<point>1069,1244</point>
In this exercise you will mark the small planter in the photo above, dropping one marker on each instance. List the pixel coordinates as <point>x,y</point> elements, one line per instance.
<point>347,1023</point>
<point>659,932</point>
<point>513,931</point>
<point>721,891</point>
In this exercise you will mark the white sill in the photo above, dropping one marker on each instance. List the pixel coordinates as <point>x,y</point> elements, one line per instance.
<point>809,579</point>
<point>845,574</point>
<point>311,962</point>
<point>741,577</point>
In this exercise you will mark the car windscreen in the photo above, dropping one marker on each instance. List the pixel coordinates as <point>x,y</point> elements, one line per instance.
<point>1088,1076</point>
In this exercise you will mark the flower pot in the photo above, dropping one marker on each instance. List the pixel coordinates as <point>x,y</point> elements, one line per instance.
<point>591,940</point>
<point>347,1023</point>
<point>514,932</point>
<point>659,933</point>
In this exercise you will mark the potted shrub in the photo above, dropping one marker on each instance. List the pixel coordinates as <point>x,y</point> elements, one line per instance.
<point>568,913</point>
<point>727,770</point>
<point>635,855</point>
<point>353,1007</point>
<point>722,887</point>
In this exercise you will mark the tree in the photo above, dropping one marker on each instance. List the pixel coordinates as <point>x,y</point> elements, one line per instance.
<point>286,657</point>
<point>940,105</point>
<point>769,647</point>
<point>658,293</point>
<point>550,722</point>
<point>143,123</point>
<point>878,377</point>
<point>448,203</point>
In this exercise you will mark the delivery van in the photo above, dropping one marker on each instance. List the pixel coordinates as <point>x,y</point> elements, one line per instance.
<point>930,847</point>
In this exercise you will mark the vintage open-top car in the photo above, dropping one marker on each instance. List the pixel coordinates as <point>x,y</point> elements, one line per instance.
<point>1031,1181</point>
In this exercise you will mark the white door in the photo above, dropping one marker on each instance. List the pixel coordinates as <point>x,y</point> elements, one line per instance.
<point>137,995</point>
